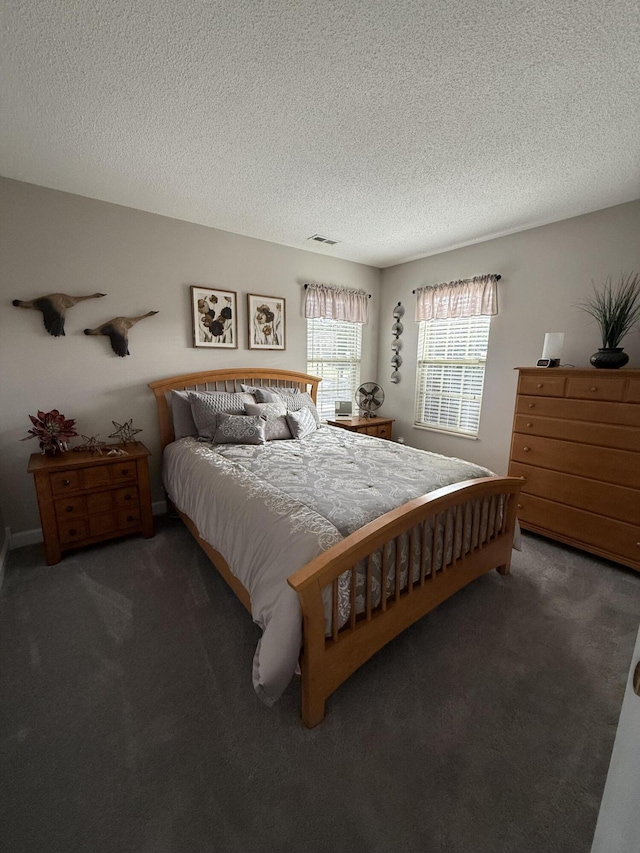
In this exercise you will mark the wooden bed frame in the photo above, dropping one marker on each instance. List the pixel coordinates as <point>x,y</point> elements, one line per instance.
<point>328,661</point>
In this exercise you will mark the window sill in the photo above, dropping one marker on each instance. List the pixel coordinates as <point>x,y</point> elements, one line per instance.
<point>446,432</point>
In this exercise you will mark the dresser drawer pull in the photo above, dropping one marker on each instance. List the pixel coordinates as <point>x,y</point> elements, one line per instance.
<point>127,497</point>
<point>519,506</point>
<point>529,425</point>
<point>130,518</point>
<point>540,385</point>
<point>526,449</point>
<point>66,482</point>
<point>69,509</point>
<point>532,405</point>
<point>594,388</point>
<point>73,532</point>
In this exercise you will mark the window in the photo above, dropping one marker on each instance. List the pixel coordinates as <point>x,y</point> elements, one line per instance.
<point>450,376</point>
<point>334,349</point>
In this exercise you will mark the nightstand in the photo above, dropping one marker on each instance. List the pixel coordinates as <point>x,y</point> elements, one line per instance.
<point>381,427</point>
<point>85,498</point>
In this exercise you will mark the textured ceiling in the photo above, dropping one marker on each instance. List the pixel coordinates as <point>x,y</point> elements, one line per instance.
<point>398,128</point>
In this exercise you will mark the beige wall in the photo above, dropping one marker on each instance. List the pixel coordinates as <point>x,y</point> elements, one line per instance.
<point>545,272</point>
<point>54,241</point>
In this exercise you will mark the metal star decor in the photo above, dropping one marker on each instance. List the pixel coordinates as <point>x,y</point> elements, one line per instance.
<point>124,432</point>
<point>92,444</point>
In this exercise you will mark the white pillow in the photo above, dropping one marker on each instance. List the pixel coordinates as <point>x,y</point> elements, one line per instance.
<point>301,423</point>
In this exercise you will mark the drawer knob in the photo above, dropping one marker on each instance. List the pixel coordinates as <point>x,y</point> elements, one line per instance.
<point>526,449</point>
<point>66,482</point>
<point>69,509</point>
<point>129,518</point>
<point>540,385</point>
<point>124,472</point>
<point>127,497</point>
<point>73,531</point>
<point>519,506</point>
<point>529,425</point>
<point>594,388</point>
<point>532,405</point>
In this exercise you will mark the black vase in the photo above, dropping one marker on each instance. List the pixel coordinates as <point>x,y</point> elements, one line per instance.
<point>610,357</point>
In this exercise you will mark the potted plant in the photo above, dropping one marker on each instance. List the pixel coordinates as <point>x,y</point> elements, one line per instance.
<point>616,309</point>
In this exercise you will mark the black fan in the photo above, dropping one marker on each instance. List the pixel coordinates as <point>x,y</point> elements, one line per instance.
<point>369,398</point>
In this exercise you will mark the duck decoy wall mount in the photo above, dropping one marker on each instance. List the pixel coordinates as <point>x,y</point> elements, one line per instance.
<point>55,305</point>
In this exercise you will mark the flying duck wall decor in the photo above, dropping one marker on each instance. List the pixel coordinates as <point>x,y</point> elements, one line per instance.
<point>117,331</point>
<point>53,308</point>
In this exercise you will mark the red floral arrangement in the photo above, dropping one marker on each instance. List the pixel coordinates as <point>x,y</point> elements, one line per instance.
<point>52,430</point>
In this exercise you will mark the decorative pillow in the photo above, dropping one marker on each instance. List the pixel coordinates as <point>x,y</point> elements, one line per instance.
<point>183,423</point>
<point>268,394</point>
<point>295,402</point>
<point>205,408</point>
<point>301,423</point>
<point>240,429</point>
<point>277,427</point>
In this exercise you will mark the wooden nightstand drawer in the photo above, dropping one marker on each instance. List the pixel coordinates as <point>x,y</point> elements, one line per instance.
<point>66,481</point>
<point>129,517</point>
<point>126,497</point>
<point>74,530</point>
<point>384,431</point>
<point>123,471</point>
<point>103,523</point>
<point>99,502</point>
<point>93,478</point>
<point>71,507</point>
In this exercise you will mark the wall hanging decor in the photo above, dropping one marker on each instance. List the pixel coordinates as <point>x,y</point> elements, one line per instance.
<point>53,308</point>
<point>616,310</point>
<point>397,329</point>
<point>52,430</point>
<point>117,330</point>
<point>214,317</point>
<point>266,321</point>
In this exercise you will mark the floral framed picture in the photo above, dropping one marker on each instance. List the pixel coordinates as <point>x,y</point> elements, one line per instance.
<point>266,322</point>
<point>215,317</point>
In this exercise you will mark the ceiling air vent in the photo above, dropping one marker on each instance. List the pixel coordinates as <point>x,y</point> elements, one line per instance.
<point>320,239</point>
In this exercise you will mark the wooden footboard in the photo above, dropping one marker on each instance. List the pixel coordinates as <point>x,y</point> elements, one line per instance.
<point>484,507</point>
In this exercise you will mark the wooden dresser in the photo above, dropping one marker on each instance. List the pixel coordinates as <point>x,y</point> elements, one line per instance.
<point>381,427</point>
<point>576,441</point>
<point>85,498</point>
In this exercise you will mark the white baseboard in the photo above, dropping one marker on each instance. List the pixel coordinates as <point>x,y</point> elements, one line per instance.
<point>3,553</point>
<point>34,537</point>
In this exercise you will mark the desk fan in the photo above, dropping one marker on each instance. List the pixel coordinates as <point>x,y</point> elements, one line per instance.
<point>369,397</point>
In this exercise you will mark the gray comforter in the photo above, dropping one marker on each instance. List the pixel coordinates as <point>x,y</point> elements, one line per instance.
<point>269,509</point>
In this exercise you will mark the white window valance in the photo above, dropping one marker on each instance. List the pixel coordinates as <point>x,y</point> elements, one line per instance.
<point>325,301</point>
<point>468,297</point>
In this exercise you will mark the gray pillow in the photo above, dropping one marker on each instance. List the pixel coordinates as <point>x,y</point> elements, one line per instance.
<point>205,408</point>
<point>240,429</point>
<point>295,402</point>
<point>183,423</point>
<point>277,427</point>
<point>301,423</point>
<point>268,394</point>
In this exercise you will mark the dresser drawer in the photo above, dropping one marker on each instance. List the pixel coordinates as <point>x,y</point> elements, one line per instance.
<point>71,507</point>
<point>595,389</point>
<point>101,523</point>
<point>603,498</point>
<point>99,502</point>
<point>620,467</point>
<point>128,517</point>
<point>543,386</point>
<point>624,414</point>
<point>127,497</point>
<point>605,435</point>
<point>633,391</point>
<point>93,478</point>
<point>613,537</point>
<point>66,481</point>
<point>73,530</point>
<point>384,431</point>
<point>123,472</point>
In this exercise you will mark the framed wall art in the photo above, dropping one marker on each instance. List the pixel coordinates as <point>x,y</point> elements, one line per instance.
<point>214,317</point>
<point>266,322</point>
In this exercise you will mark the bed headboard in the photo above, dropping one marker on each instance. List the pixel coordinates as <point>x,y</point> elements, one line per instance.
<point>223,380</point>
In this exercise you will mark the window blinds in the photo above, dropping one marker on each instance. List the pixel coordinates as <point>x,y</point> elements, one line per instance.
<point>450,375</point>
<point>334,351</point>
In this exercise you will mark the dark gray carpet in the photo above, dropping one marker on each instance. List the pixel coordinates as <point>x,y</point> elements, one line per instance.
<point>129,722</point>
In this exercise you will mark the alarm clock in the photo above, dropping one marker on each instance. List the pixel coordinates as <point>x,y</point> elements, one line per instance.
<point>547,362</point>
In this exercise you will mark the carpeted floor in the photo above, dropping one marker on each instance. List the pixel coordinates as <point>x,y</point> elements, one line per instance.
<point>129,722</point>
